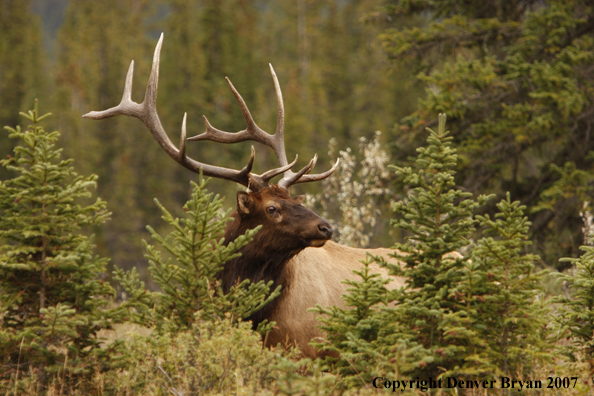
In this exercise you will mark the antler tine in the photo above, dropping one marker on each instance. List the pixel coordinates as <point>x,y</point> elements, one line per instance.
<point>251,132</point>
<point>182,140</point>
<point>147,113</point>
<point>279,135</point>
<point>305,178</point>
<point>267,176</point>
<point>126,104</point>
<point>290,178</point>
<point>246,171</point>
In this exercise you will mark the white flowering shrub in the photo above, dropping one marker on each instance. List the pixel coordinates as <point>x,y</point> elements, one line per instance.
<point>588,219</point>
<point>357,194</point>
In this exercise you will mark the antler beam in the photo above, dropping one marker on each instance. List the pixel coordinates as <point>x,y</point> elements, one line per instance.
<point>147,113</point>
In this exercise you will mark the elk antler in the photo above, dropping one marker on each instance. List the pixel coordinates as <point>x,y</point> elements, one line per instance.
<point>147,113</point>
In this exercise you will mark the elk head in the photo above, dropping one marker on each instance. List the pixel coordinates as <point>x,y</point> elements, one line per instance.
<point>291,225</point>
<point>286,224</point>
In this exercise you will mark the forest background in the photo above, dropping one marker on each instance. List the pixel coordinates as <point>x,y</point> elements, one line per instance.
<point>514,80</point>
<point>73,56</point>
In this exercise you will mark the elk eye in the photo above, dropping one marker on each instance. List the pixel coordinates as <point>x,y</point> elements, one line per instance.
<point>271,210</point>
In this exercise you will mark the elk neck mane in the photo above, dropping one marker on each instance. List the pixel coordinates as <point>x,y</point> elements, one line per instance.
<point>263,259</point>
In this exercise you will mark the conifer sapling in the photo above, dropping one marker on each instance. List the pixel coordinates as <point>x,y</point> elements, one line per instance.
<point>52,300</point>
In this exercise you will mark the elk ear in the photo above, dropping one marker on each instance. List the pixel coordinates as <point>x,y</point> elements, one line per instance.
<point>244,202</point>
<point>299,198</point>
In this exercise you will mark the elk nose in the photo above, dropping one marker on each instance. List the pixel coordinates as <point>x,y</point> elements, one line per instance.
<point>326,230</point>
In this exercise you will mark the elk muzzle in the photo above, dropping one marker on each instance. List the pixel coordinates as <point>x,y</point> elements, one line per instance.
<point>325,232</point>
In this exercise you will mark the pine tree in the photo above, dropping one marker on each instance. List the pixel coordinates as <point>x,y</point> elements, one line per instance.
<point>52,300</point>
<point>474,318</point>
<point>503,326</point>
<point>196,253</point>
<point>512,77</point>
<point>354,333</point>
<point>576,314</point>
<point>438,219</point>
<point>95,45</point>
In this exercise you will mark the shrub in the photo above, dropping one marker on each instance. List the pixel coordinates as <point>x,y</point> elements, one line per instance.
<point>358,194</point>
<point>219,356</point>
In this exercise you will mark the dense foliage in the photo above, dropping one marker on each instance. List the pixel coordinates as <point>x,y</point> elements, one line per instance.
<point>576,312</point>
<point>514,78</point>
<point>211,357</point>
<point>473,317</point>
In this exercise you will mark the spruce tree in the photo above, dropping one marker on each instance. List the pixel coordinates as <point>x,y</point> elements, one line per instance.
<point>408,338</point>
<point>194,252</point>
<point>472,317</point>
<point>438,219</point>
<point>576,312</point>
<point>502,328</point>
<point>354,332</point>
<point>52,300</point>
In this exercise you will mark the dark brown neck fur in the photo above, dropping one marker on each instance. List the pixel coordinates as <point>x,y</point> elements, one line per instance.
<point>256,264</point>
<point>287,229</point>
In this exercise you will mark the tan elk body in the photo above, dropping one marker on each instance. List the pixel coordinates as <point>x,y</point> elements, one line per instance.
<point>292,248</point>
<point>315,277</point>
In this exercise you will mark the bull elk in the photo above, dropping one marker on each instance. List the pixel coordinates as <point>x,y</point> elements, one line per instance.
<point>293,248</point>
